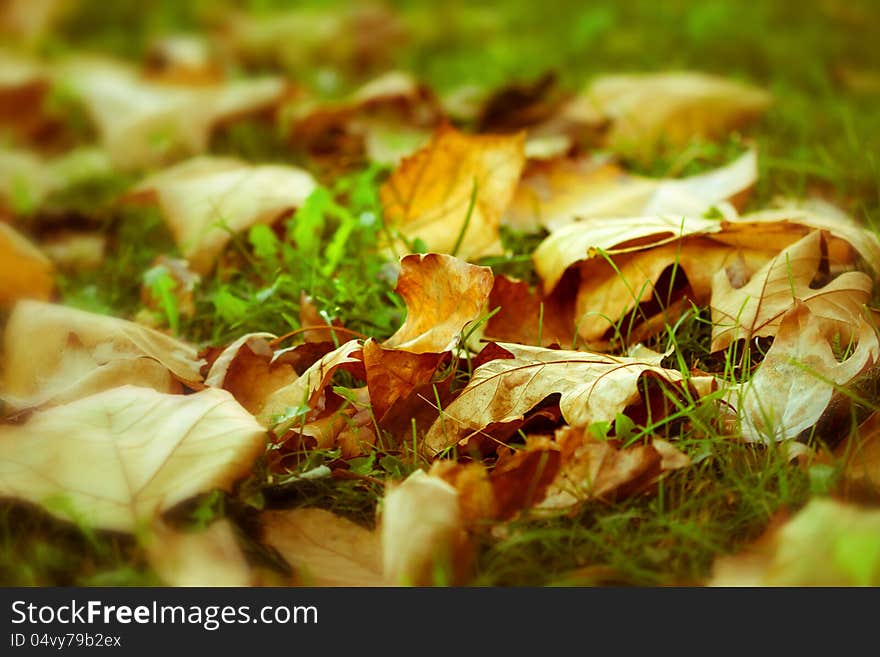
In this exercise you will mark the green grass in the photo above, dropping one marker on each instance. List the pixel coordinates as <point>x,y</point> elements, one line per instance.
<point>821,135</point>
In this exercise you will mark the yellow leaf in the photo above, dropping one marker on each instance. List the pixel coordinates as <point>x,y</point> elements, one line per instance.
<point>443,295</point>
<point>25,273</point>
<point>120,457</point>
<point>451,194</point>
<point>323,548</point>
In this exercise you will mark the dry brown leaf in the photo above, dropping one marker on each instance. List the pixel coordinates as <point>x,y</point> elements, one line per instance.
<point>323,548</point>
<point>393,374</point>
<point>558,192</point>
<point>603,469</point>
<point>589,239</point>
<point>799,374</point>
<point>205,198</point>
<point>423,532</point>
<point>820,215</point>
<point>309,389</point>
<point>443,295</point>
<point>756,308</point>
<point>246,369</point>
<point>453,192</point>
<point>526,316</point>
<point>55,354</point>
<point>861,456</point>
<point>25,273</point>
<point>592,388</point>
<point>612,287</point>
<point>827,543</point>
<point>652,108</point>
<point>120,457</point>
<point>386,120</point>
<point>143,123</point>
<point>207,557</point>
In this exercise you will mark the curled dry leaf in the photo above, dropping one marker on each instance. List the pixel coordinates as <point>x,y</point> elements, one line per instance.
<point>819,215</point>
<point>649,109</point>
<point>246,369</point>
<point>589,239</point>
<point>120,457</point>
<point>827,543</point>
<point>756,308</point>
<point>797,378</point>
<point>25,273</point>
<point>592,388</point>
<point>557,192</point>
<point>207,557</point>
<point>309,389</point>
<point>205,198</point>
<point>443,295</point>
<point>452,193</point>
<point>324,549</point>
<point>143,123</point>
<point>423,532</point>
<point>55,354</point>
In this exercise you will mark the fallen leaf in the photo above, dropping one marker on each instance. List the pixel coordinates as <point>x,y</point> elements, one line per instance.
<point>756,308</point>
<point>557,192</point>
<point>207,557</point>
<point>590,239</point>
<point>452,193</point>
<point>523,479</point>
<point>385,120</point>
<point>603,469</point>
<point>592,388</point>
<point>25,273</point>
<point>423,532</point>
<point>861,456</point>
<point>247,370</point>
<point>443,295</point>
<point>827,543</point>
<point>309,389</point>
<point>55,354</point>
<point>143,123</point>
<point>205,198</point>
<point>649,109</point>
<point>120,457</point>
<point>799,374</point>
<point>323,548</point>
<point>392,374</point>
<point>359,37</point>
<point>817,214</point>
<point>526,316</point>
